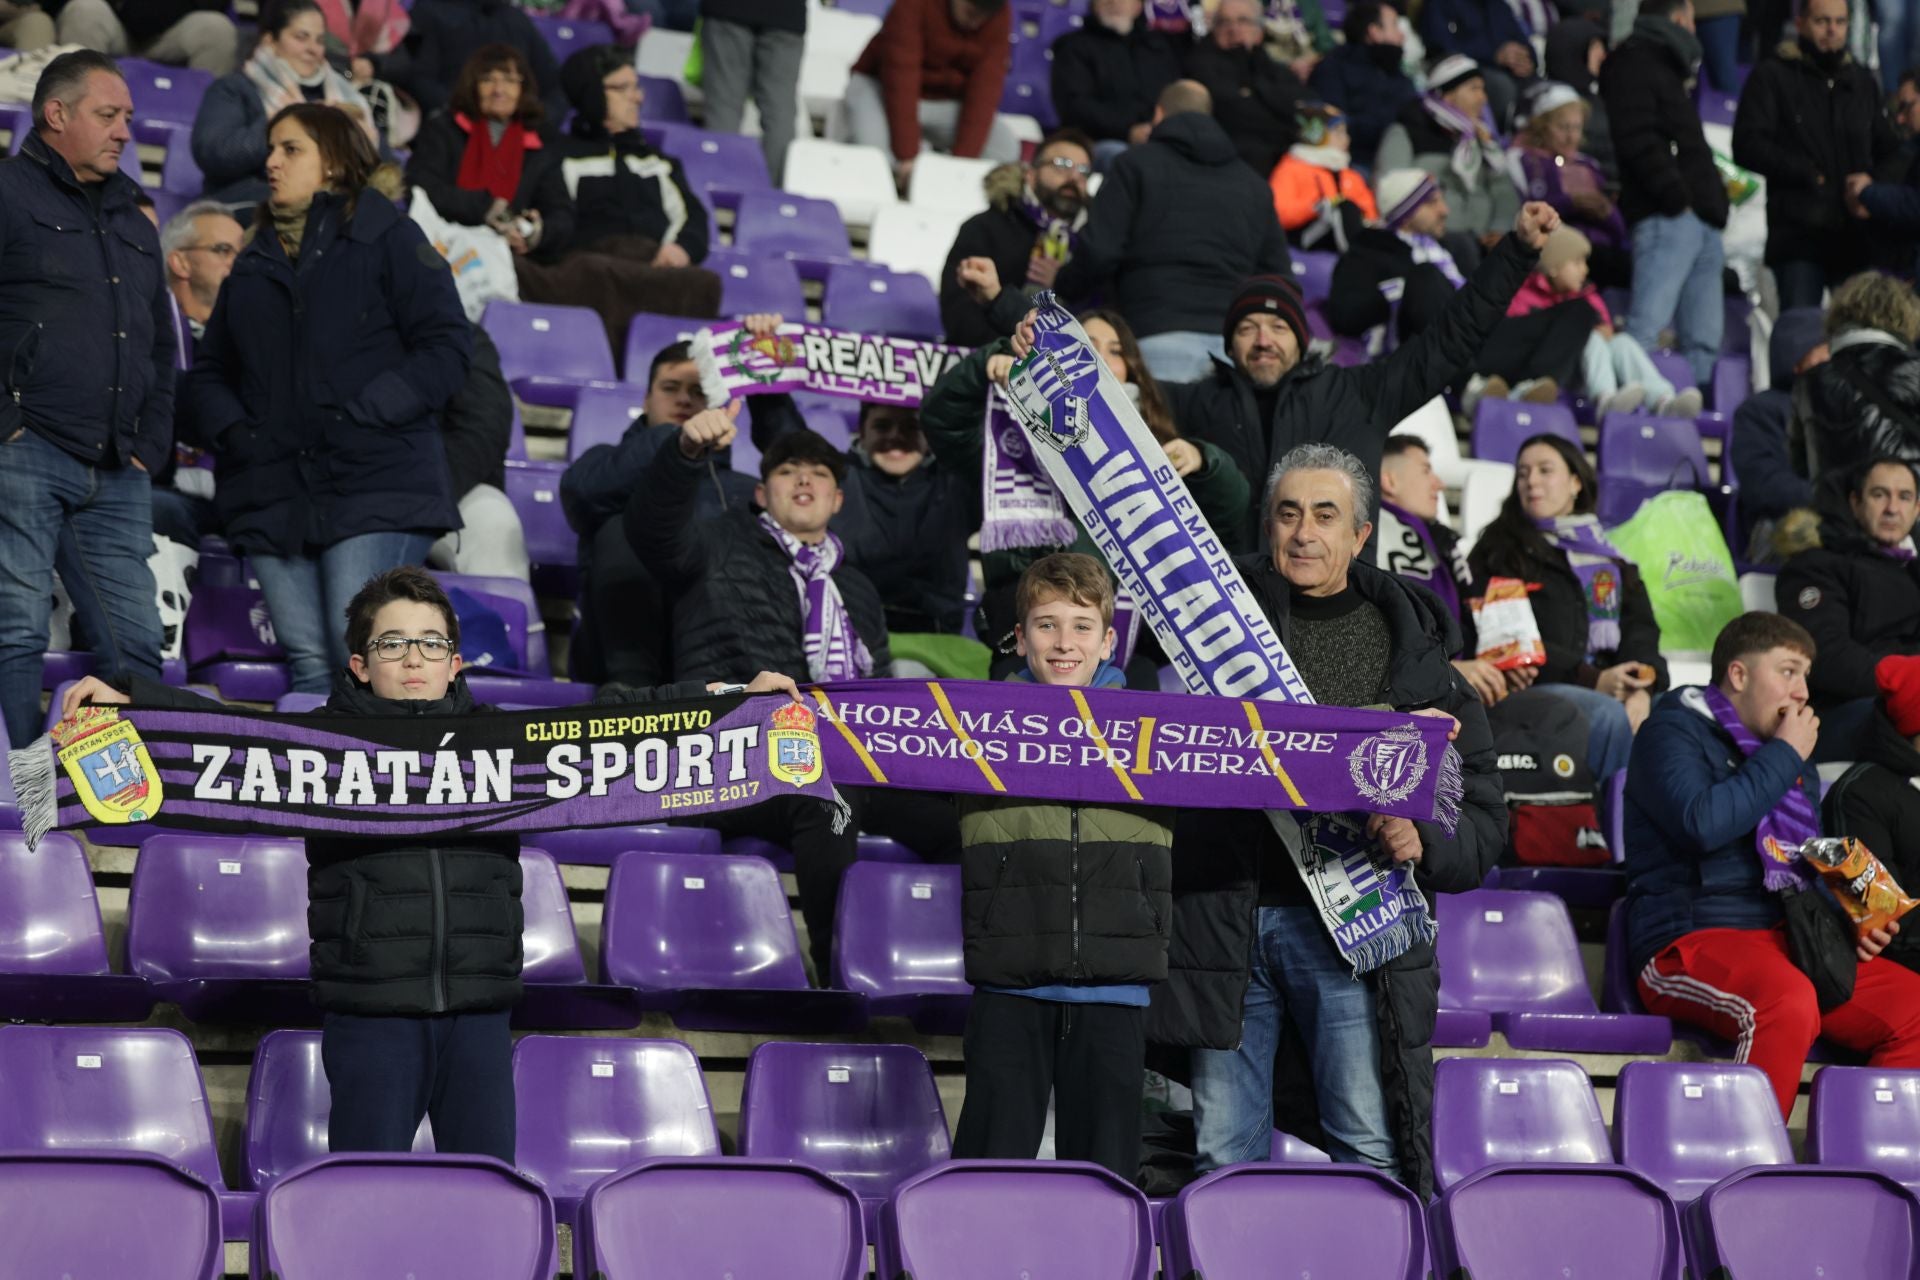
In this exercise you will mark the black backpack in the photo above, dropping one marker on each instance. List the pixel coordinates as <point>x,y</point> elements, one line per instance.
<point>1541,742</point>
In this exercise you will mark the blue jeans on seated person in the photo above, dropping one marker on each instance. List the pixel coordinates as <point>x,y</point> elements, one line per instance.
<point>95,524</point>
<point>1676,281</point>
<point>1609,732</point>
<point>307,597</point>
<point>1298,975</point>
<point>1181,356</point>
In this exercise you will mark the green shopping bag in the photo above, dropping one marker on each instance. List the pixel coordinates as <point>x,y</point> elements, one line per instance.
<point>696,59</point>
<point>1684,561</point>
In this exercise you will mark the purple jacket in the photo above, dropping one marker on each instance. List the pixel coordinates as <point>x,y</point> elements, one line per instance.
<point>1542,178</point>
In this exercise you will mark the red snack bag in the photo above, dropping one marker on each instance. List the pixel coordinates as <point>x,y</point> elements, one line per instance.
<point>1509,633</point>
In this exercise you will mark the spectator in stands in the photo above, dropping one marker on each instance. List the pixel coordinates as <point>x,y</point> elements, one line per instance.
<point>1576,50</point>
<point>1596,623</point>
<point>1894,206</point>
<point>1298,34</point>
<point>934,72</point>
<point>1488,33</point>
<point>198,245</point>
<point>1449,133</point>
<point>768,587</point>
<point>1717,771</point>
<point>182,33</point>
<point>1810,124</point>
<point>1172,274</point>
<point>317,390</point>
<point>1108,75</point>
<point>1857,594</point>
<point>1772,483</point>
<point>1363,76</point>
<point>1016,246</point>
<point>477,428</point>
<point>625,632</point>
<point>1673,197</point>
<point>367,32</point>
<point>1054,899</point>
<point>1615,371</point>
<point>1864,403</point>
<point>90,414</point>
<point>24,27</point>
<point>289,65</point>
<point>445,36</point>
<point>1551,167</point>
<point>1271,395</point>
<point>754,45</point>
<point>1876,801</point>
<point>1321,199</point>
<point>1254,96</point>
<point>1251,954</point>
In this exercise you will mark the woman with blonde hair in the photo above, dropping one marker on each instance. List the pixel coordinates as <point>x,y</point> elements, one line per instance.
<point>1864,402</point>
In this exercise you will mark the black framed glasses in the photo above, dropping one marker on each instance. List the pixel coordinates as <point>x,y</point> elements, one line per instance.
<point>394,648</point>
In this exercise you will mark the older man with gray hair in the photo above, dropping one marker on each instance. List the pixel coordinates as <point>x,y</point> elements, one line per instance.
<point>199,244</point>
<point>1250,953</point>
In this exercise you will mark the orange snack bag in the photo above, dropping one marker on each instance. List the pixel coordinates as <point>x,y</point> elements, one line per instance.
<point>1509,633</point>
<point>1862,883</point>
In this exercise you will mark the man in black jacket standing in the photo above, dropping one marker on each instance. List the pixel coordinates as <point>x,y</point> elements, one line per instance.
<point>1019,243</point>
<point>1256,98</point>
<point>1810,124</point>
<point>1670,192</point>
<point>1251,953</point>
<point>1363,77</point>
<point>87,325</point>
<point>1108,74</point>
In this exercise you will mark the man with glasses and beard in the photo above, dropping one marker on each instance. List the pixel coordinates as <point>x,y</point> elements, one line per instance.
<point>1030,229</point>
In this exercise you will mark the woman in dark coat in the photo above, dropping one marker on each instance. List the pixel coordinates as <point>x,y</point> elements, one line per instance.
<point>317,383</point>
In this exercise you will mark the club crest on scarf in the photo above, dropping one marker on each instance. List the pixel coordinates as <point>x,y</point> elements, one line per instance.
<point>1063,370</point>
<point>761,358</point>
<point>1603,591</point>
<point>793,748</point>
<point>111,772</point>
<point>1388,767</point>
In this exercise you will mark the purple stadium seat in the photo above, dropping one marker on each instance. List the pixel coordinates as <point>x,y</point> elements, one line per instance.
<point>753,283</point>
<point>514,601</point>
<point>720,1216</point>
<point>53,954</point>
<point>1296,1220</point>
<point>721,167</point>
<point>603,416</point>
<point>835,417</point>
<point>178,171</point>
<point>1287,1149</point>
<point>599,846</point>
<point>588,1106</point>
<point>1674,368</point>
<point>567,36</point>
<point>1664,453</point>
<point>1716,107</point>
<point>1806,1221</point>
<point>1029,93</point>
<point>1455,1027</point>
<point>295,703</point>
<point>127,1215</point>
<point>868,1115</point>
<point>64,666</point>
<point>885,849</point>
<point>552,545</point>
<point>755,847</point>
<point>218,926</point>
<point>1500,427</point>
<point>708,938</point>
<point>774,224</point>
<point>897,941</point>
<point>549,353</point>
<point>496,690</point>
<point>418,1215</point>
<point>287,1108</point>
<point>1732,383</point>
<point>114,1089</point>
<point>665,102</point>
<point>1686,1125</point>
<point>1060,1219</point>
<point>1515,956</point>
<point>1559,1220</point>
<point>1313,272</point>
<point>16,118</point>
<point>229,644</point>
<point>1620,991</point>
<point>1589,888</point>
<point>165,99</point>
<point>647,337</point>
<point>863,300</point>
<point>1489,1111</point>
<point>1866,1117</point>
<point>556,992</point>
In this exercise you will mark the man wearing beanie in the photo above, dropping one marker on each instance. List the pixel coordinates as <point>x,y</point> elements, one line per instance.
<point>1449,132</point>
<point>1398,258</point>
<point>1877,802</point>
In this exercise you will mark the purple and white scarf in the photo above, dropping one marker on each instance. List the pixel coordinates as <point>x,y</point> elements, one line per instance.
<point>834,649</point>
<point>811,357</point>
<point>1598,565</point>
<point>1470,154</point>
<point>1792,820</point>
<point>1020,507</point>
<point>1406,547</point>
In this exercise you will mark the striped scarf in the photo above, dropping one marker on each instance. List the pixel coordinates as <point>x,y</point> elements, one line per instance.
<point>1597,564</point>
<point>1788,825</point>
<point>834,649</point>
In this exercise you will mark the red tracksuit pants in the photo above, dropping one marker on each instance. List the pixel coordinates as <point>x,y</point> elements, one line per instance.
<point>1743,985</point>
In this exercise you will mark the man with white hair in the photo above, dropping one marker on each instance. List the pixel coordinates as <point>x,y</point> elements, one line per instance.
<point>199,244</point>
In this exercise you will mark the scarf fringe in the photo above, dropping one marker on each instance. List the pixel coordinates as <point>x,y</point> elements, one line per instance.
<point>1451,791</point>
<point>1016,535</point>
<point>842,813</point>
<point>33,788</point>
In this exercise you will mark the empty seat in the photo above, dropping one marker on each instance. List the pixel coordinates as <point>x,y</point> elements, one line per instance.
<point>1664,453</point>
<point>1029,94</point>
<point>1490,1111</point>
<point>778,224</point>
<point>721,167</point>
<point>911,238</point>
<point>218,926</point>
<point>407,1215</point>
<point>599,846</point>
<point>178,171</point>
<point>126,1215</point>
<point>165,99</point>
<point>1732,383</point>
<point>602,415</point>
<point>1868,1118</point>
<point>1686,1125</point>
<point>1806,1221</point>
<point>1514,955</point>
<point>288,1104</point>
<point>53,954</point>
<point>647,336</point>
<point>566,36</point>
<point>552,546</point>
<point>587,1106</point>
<point>295,703</point>
<point>113,1089</point>
<point>549,353</point>
<point>665,102</point>
<point>858,180</point>
<point>708,938</point>
<point>1313,272</point>
<point>942,181</point>
<point>896,940</point>
<point>514,601</point>
<point>1572,1220</point>
<point>1279,1220</point>
<point>229,643</point>
<point>748,1219</point>
<point>752,284</point>
<point>1500,427</point>
<point>555,991</point>
<point>869,1115</point>
<point>865,300</point>
<point>1060,1219</point>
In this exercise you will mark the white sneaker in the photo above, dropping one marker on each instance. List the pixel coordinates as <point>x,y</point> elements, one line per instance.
<point>1625,400</point>
<point>1681,404</point>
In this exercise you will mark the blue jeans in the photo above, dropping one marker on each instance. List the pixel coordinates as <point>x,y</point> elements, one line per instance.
<point>1181,356</point>
<point>1899,33</point>
<point>1802,283</point>
<point>307,597</point>
<point>1676,280</point>
<point>1720,51</point>
<point>1609,732</point>
<point>95,524</point>
<point>1297,975</point>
